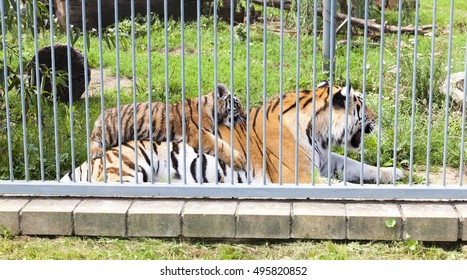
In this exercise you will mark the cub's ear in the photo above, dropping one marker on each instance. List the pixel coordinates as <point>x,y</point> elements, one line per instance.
<point>222,91</point>
<point>338,99</point>
<point>323,84</point>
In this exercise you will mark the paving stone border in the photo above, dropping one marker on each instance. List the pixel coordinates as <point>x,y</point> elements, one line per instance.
<point>235,218</point>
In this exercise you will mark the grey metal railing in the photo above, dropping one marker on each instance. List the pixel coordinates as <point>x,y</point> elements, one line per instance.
<point>255,185</point>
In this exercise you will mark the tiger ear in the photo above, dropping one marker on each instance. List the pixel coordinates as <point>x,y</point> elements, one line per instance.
<point>222,91</point>
<point>338,99</point>
<point>346,91</point>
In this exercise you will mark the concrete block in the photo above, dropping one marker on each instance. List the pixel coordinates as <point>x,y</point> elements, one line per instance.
<point>462,208</point>
<point>9,214</point>
<point>368,221</point>
<point>318,220</point>
<point>48,217</point>
<point>101,217</point>
<point>155,218</point>
<point>215,219</point>
<point>430,222</point>
<point>263,220</point>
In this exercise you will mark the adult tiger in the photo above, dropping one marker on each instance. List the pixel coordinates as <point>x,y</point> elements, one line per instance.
<point>305,139</point>
<point>159,125</point>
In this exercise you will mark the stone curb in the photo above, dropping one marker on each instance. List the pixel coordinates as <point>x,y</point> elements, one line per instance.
<point>235,219</point>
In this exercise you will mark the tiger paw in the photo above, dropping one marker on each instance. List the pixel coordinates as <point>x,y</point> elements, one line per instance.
<point>96,152</point>
<point>239,161</point>
<point>387,174</point>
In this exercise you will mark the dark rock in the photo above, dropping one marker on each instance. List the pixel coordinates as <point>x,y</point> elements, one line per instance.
<point>61,63</point>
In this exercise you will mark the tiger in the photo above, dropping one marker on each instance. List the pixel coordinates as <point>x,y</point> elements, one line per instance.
<point>159,131</point>
<point>312,148</point>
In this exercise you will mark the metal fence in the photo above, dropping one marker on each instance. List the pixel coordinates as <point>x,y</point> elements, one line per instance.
<point>44,139</point>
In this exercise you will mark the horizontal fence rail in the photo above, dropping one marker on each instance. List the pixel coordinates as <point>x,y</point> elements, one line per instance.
<point>397,70</point>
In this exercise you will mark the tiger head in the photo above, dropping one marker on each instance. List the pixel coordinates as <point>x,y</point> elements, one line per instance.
<point>359,118</point>
<point>225,105</point>
<point>354,117</point>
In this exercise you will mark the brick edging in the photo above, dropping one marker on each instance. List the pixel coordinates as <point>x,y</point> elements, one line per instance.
<point>236,219</point>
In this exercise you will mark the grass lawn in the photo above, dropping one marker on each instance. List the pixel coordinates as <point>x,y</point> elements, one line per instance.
<point>105,248</point>
<point>255,85</point>
<point>64,248</point>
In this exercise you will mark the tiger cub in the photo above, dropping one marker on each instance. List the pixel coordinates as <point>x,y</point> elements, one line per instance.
<point>159,130</point>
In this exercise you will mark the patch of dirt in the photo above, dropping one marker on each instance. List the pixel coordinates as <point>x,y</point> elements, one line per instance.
<point>110,82</point>
<point>452,176</point>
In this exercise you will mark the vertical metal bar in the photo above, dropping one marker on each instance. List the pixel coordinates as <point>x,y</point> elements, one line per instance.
<point>448,85</point>
<point>216,133</point>
<point>166,55</point>
<point>182,23</point>
<point>7,102</point>
<point>101,68</point>
<point>313,121</point>
<point>70,83</point>
<point>248,91</point>
<point>332,42</point>
<point>200,103</point>
<point>281,89</point>
<point>461,164</point>
<point>430,99</point>
<point>86,82</point>
<point>380,93</point>
<point>133,55</point>
<point>326,34</point>
<point>297,96</point>
<point>347,85</point>
<point>414,90</point>
<point>54,91</point>
<point>265,53</point>
<point>149,47</point>
<point>365,54</point>
<point>396,114</point>
<point>23,104</point>
<point>38,89</point>
<point>232,70</point>
<point>119,117</point>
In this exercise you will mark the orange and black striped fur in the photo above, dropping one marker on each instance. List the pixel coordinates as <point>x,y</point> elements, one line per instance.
<point>159,128</point>
<point>312,137</point>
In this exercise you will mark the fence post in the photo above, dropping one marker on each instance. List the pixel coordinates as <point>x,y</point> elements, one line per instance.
<point>329,36</point>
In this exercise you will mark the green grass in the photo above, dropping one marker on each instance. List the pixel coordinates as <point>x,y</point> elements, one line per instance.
<point>387,117</point>
<point>65,248</point>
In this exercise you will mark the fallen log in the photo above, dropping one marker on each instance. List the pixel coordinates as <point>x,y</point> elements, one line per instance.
<point>377,27</point>
<point>358,22</point>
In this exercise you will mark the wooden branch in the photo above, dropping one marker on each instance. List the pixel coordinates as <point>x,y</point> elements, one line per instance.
<point>342,25</point>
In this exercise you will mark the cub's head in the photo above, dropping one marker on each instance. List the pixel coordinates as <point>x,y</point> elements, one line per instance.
<point>356,114</point>
<point>225,105</point>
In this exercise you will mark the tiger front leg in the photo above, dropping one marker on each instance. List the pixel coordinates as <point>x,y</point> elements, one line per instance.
<point>224,150</point>
<point>96,141</point>
<point>353,170</point>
